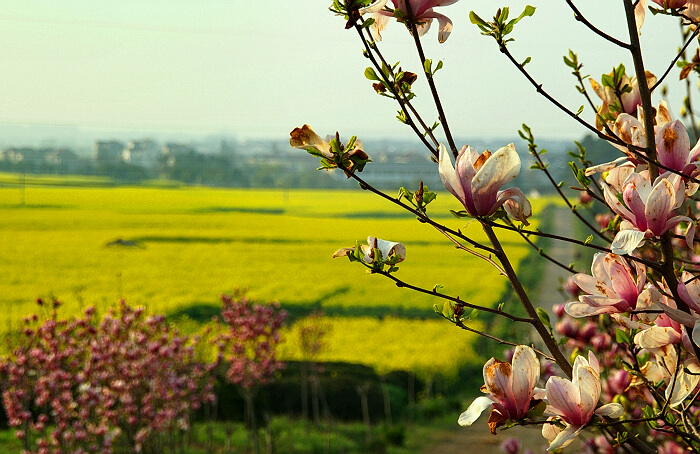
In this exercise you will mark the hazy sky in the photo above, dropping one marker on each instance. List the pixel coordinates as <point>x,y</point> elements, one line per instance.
<point>260,68</point>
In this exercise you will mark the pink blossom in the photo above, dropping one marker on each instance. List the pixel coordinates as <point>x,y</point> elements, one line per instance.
<point>476,179</point>
<point>510,388</point>
<point>510,446</point>
<point>648,209</point>
<point>670,3</point>
<point>629,100</point>
<point>422,13</point>
<point>673,149</point>
<point>574,402</point>
<point>613,286</point>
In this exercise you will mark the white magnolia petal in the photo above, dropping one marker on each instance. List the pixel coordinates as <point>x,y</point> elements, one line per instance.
<point>613,202</point>
<point>373,7</point>
<point>689,232</point>
<point>500,168</point>
<point>683,384</point>
<point>448,174</point>
<point>589,390</point>
<point>626,241</point>
<point>516,204</point>
<point>380,22</point>
<point>564,438</point>
<point>443,21</point>
<point>388,248</point>
<point>696,333</point>
<point>660,205</point>
<point>526,374</point>
<point>564,396</point>
<point>474,411</point>
<point>627,323</point>
<point>579,309</point>
<point>639,14</point>
<point>593,362</point>
<point>305,137</point>
<point>656,337</point>
<point>606,166</point>
<point>343,252</point>
<point>539,393</point>
<point>612,410</point>
<point>550,431</point>
<point>679,316</point>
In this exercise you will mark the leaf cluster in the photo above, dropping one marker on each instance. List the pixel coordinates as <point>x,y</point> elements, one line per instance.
<point>500,27</point>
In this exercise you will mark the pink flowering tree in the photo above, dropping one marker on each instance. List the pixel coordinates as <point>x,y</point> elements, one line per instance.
<point>84,386</point>
<point>622,362</point>
<point>248,345</point>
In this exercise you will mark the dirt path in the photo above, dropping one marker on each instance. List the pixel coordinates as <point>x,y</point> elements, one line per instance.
<point>477,439</point>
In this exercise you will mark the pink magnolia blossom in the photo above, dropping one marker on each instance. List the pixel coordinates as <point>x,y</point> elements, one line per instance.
<point>649,211</point>
<point>574,402</point>
<point>613,286</point>
<point>670,3</point>
<point>629,101</point>
<point>476,179</point>
<point>422,11</point>
<point>630,129</point>
<point>510,389</point>
<point>673,149</point>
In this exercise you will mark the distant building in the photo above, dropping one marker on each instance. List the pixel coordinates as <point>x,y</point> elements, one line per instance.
<point>143,153</point>
<point>28,157</point>
<point>108,151</point>
<point>172,152</point>
<point>64,158</point>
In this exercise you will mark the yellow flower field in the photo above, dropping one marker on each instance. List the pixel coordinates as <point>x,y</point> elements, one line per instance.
<point>180,248</point>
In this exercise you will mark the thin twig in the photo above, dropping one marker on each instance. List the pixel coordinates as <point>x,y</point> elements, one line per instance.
<point>581,18</point>
<point>431,82</point>
<point>457,300</point>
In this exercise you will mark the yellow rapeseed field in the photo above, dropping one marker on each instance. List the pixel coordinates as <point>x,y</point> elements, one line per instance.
<point>176,250</point>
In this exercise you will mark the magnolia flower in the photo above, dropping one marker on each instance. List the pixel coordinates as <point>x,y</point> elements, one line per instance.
<point>305,137</point>
<point>673,149</point>
<point>649,210</point>
<point>612,287</point>
<point>510,389</point>
<point>476,179</point>
<point>670,3</point>
<point>352,158</point>
<point>422,11</point>
<point>630,129</point>
<point>390,251</point>
<point>574,402</point>
<point>629,101</point>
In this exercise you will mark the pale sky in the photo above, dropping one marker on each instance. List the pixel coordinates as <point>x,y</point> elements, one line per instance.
<point>260,68</point>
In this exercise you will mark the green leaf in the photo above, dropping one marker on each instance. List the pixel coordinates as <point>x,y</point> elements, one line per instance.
<point>427,65</point>
<point>485,27</point>
<point>437,288</point>
<point>580,109</point>
<point>448,311</point>
<point>460,214</point>
<point>428,196</point>
<point>544,317</point>
<point>588,240</point>
<point>527,60</point>
<point>621,336</point>
<point>529,11</point>
<point>370,74</point>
